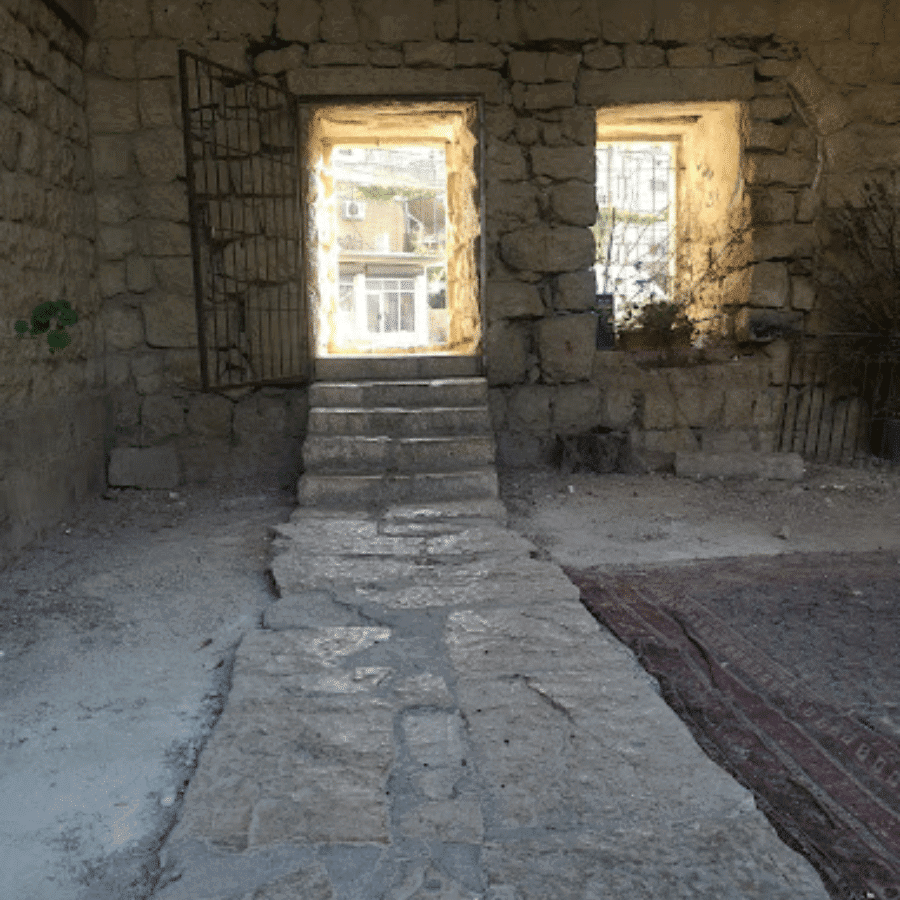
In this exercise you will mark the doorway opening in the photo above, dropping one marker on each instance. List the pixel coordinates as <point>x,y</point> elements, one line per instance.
<point>394,220</point>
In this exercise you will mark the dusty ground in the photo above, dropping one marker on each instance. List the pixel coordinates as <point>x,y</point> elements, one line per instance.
<point>117,630</point>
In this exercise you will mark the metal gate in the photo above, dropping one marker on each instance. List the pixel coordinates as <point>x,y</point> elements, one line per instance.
<point>244,190</point>
<point>842,402</point>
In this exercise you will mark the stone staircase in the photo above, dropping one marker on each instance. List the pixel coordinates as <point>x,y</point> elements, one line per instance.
<point>397,430</point>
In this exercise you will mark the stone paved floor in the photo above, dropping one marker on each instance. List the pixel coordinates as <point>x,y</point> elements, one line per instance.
<point>430,712</point>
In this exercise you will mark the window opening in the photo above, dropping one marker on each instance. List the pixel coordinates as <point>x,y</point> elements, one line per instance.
<point>636,227</point>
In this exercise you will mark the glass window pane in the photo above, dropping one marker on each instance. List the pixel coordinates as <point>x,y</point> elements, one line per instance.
<point>407,313</point>
<point>391,312</point>
<point>373,318</point>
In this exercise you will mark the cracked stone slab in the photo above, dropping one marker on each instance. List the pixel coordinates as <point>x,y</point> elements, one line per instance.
<point>707,860</point>
<point>521,639</point>
<point>426,689</point>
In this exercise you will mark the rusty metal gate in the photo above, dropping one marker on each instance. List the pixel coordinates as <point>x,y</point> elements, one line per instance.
<point>244,189</point>
<point>842,402</point>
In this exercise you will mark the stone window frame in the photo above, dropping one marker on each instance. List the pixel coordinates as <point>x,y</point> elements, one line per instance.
<point>711,194</point>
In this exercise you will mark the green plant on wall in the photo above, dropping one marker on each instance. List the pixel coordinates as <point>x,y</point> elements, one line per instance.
<point>41,317</point>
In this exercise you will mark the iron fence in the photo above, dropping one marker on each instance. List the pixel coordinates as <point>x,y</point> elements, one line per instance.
<point>842,401</point>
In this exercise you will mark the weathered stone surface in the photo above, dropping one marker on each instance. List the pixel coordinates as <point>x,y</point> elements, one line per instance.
<point>813,20</point>
<point>392,21</point>
<point>338,55</point>
<point>862,147</point>
<point>155,104</point>
<point>573,406</point>
<point>576,291</point>
<point>773,205</point>
<point>175,274</point>
<point>139,274</point>
<point>299,21</point>
<point>781,466</point>
<point>116,241</point>
<point>170,320</point>
<point>453,821</point>
<point>770,168</point>
<point>209,415</point>
<point>828,108</point>
<point>688,57</point>
<point>771,107</point>
<point>512,202</point>
<point>162,416</point>
<point>112,105</point>
<point>368,80</point>
<point>772,241</point>
<point>803,293</point>
<point>154,468</point>
<point>123,327</point>
<point>769,284</point>
<point>505,162</point>
<point>879,103</point>
<point>603,56</point>
<point>479,53</point>
<point>440,54</point>
<point>339,24</point>
<point>513,300</point>
<point>528,408</point>
<point>658,85</point>
<point>567,347</point>
<point>625,21</point>
<point>564,163</point>
<point>574,202</point>
<point>766,136</point>
<point>547,249</point>
<point>644,56</point>
<point>543,96</point>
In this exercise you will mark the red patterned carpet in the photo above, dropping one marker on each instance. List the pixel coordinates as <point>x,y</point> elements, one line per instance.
<point>787,671</point>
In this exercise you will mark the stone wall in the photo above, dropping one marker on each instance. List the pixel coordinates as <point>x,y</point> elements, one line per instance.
<point>817,80</point>
<point>53,416</point>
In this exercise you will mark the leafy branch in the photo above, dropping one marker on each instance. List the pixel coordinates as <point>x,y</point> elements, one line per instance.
<point>41,317</point>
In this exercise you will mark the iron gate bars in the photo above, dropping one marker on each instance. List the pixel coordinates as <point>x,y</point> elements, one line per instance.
<point>244,193</point>
<point>842,401</point>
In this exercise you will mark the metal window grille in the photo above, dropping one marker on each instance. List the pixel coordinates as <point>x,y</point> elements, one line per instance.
<point>635,231</point>
<point>244,192</point>
<point>842,402</point>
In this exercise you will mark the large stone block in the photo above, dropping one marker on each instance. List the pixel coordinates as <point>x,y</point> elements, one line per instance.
<point>543,96</point>
<point>812,20</point>
<point>209,416</point>
<point>394,21</point>
<point>175,274</point>
<point>364,80</point>
<point>240,18</point>
<point>603,56</point>
<point>479,53</point>
<point>576,407</point>
<point>507,352</point>
<point>504,162</point>
<point>828,108</point>
<point>513,300</point>
<point>739,18</point>
<point>685,22</point>
<point>780,466</point>
<point>567,345</point>
<point>112,105</point>
<point>299,21</point>
<point>564,163</point>
<point>116,241</point>
<point>164,201</point>
<point>139,274</point>
<point>182,21</point>
<point>512,201</point>
<point>878,103</point>
<point>574,203</point>
<point>155,104</point>
<point>528,408</point>
<point>660,85</point>
<point>644,56</point>
<point>542,248</point>
<point>168,238</point>
<point>162,416</point>
<point>576,291</point>
<point>862,148</point>
<point>151,468</point>
<point>123,327</point>
<point>439,54</point>
<point>770,168</point>
<point>157,58</point>
<point>160,154</point>
<point>339,24</point>
<point>258,419</point>
<point>689,57</point>
<point>766,136</point>
<point>170,320</point>
<point>626,21</point>
<point>111,278</point>
<point>803,293</point>
<point>769,284</point>
<point>110,155</point>
<point>558,20</point>
<point>121,19</point>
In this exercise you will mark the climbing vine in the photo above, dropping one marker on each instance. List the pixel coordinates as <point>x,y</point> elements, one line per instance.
<point>41,318</point>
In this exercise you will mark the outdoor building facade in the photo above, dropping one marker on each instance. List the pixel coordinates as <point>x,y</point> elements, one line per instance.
<point>749,114</point>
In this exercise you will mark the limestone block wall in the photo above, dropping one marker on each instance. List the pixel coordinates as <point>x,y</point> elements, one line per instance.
<point>818,82</point>
<point>53,415</point>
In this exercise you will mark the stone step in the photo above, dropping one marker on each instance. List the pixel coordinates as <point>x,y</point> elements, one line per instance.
<point>398,422</point>
<point>396,368</point>
<point>358,453</point>
<point>407,394</point>
<point>356,491</point>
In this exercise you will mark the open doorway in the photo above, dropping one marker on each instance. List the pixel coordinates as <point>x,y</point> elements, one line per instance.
<point>394,220</point>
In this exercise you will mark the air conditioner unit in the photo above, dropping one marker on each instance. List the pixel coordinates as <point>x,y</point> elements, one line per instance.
<point>353,209</point>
